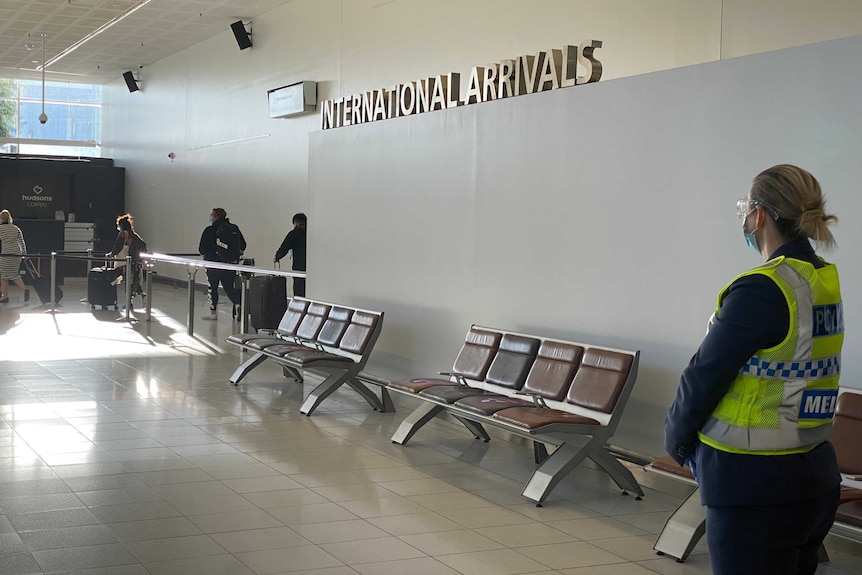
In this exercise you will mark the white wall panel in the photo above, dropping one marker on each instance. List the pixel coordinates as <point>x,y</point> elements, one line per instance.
<point>603,213</point>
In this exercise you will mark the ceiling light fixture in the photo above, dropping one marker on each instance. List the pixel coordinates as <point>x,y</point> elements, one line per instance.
<point>95,33</point>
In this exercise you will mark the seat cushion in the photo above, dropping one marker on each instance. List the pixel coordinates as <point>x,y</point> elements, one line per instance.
<point>241,338</point>
<point>260,343</point>
<point>850,494</point>
<point>282,349</point>
<point>417,384</point>
<point>532,418</point>
<point>850,513</point>
<point>668,465</point>
<point>309,357</point>
<point>450,393</point>
<point>490,404</point>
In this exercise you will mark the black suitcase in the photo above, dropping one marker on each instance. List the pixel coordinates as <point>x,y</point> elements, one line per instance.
<point>267,301</point>
<point>41,284</point>
<point>99,288</point>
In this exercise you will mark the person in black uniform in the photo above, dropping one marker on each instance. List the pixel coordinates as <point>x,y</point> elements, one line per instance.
<point>754,406</point>
<point>295,240</point>
<point>222,241</point>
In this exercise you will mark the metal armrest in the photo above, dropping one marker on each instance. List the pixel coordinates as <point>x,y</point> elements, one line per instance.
<point>537,399</point>
<point>458,377</point>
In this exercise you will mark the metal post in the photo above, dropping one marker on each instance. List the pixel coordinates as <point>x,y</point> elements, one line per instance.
<point>89,259</point>
<point>192,271</point>
<point>148,267</point>
<point>128,273</point>
<point>53,281</point>
<point>243,322</point>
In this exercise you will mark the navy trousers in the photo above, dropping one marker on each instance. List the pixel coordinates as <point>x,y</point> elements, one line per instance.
<point>769,539</point>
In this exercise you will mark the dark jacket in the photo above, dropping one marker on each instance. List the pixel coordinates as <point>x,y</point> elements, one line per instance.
<point>754,315</point>
<point>207,244</point>
<point>294,240</point>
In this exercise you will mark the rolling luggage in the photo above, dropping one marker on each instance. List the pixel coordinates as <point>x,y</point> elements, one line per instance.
<point>267,301</point>
<point>41,284</point>
<point>99,288</point>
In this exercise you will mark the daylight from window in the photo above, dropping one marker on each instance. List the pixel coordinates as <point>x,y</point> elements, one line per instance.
<point>74,125</point>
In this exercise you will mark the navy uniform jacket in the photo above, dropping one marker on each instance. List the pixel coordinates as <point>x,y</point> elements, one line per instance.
<point>754,315</point>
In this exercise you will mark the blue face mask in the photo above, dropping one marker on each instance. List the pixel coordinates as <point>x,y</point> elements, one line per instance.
<point>750,240</point>
<point>211,220</point>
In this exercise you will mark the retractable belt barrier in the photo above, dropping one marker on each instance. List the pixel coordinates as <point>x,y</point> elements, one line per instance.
<point>148,261</point>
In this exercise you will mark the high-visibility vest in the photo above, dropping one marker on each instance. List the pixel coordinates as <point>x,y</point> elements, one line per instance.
<point>783,399</point>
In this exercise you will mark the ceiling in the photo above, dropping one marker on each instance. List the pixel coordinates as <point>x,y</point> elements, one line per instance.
<point>158,29</point>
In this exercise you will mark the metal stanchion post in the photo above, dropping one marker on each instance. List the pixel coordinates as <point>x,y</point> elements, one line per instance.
<point>128,273</point>
<point>89,259</point>
<point>243,306</point>
<point>149,268</point>
<point>53,280</point>
<point>192,271</point>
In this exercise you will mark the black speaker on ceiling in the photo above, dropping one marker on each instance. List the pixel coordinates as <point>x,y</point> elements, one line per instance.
<point>243,38</point>
<point>131,83</point>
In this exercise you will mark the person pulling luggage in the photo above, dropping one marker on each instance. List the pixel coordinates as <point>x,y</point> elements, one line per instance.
<point>222,241</point>
<point>295,240</point>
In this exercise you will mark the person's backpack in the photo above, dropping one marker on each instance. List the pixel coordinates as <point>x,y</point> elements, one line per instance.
<point>228,240</point>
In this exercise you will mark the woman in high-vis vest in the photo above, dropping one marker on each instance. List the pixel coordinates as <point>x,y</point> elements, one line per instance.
<point>754,408</point>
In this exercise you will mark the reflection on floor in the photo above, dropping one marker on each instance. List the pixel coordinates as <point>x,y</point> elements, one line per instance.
<point>124,451</point>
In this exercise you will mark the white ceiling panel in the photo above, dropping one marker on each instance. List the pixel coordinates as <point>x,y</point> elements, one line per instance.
<point>155,31</point>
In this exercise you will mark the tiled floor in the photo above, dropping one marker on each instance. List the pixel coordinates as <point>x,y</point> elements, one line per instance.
<point>124,451</point>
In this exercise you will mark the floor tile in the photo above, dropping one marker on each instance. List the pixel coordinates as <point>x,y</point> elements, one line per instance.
<point>311,514</point>
<point>371,550</point>
<point>259,539</point>
<point>174,548</point>
<point>273,561</point>
<point>83,557</point>
<point>215,565</point>
<point>337,531</point>
<point>82,536</point>
<point>568,555</point>
<point>423,565</point>
<point>234,521</point>
<point>414,523</point>
<point>497,562</point>
<point>153,529</point>
<point>451,542</point>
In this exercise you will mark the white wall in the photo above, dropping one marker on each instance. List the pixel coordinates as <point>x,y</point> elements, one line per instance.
<point>603,213</point>
<point>213,93</point>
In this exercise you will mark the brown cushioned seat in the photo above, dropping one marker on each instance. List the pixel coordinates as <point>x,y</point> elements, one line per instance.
<point>850,513</point>
<point>850,494</point>
<point>846,431</point>
<point>308,357</point>
<point>261,342</point>
<point>244,337</point>
<point>490,404</point>
<point>283,348</point>
<point>532,418</point>
<point>472,362</point>
<point>417,384</point>
<point>450,393</point>
<point>668,465</point>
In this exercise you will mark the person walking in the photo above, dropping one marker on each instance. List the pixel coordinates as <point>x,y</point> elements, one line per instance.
<point>754,407</point>
<point>222,241</point>
<point>12,242</point>
<point>295,241</point>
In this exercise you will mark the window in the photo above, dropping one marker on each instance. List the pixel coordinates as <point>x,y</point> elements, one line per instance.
<point>74,111</point>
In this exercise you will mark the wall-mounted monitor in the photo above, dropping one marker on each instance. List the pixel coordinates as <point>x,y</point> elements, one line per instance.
<point>291,100</point>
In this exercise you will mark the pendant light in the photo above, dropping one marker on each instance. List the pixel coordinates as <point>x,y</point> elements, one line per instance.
<point>43,117</point>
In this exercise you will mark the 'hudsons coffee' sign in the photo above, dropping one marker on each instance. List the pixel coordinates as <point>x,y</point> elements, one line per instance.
<point>546,70</point>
